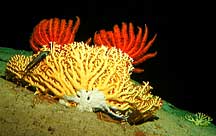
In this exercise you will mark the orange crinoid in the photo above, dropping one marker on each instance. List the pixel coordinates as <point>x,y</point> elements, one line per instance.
<point>53,30</point>
<point>136,46</point>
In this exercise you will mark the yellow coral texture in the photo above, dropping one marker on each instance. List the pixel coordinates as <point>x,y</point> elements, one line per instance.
<point>68,69</point>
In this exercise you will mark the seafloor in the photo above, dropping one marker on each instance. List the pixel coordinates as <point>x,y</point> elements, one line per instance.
<point>24,114</point>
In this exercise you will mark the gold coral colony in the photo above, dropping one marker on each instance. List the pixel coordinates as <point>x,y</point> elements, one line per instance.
<point>93,77</point>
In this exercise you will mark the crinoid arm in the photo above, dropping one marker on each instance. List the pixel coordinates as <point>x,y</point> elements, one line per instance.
<point>135,45</point>
<point>56,30</point>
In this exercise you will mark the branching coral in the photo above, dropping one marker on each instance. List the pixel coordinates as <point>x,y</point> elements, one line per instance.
<point>78,66</point>
<point>199,119</point>
<point>84,66</point>
<point>53,30</point>
<point>135,46</point>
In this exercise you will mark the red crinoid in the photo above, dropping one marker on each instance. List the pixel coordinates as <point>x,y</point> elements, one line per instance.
<point>136,46</point>
<point>53,30</point>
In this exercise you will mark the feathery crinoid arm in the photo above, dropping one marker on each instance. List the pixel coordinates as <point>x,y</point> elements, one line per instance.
<point>135,45</point>
<point>54,30</point>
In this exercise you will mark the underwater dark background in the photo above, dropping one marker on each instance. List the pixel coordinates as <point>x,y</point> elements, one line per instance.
<point>181,73</point>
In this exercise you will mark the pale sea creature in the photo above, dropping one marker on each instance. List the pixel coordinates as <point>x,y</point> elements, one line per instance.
<point>90,101</point>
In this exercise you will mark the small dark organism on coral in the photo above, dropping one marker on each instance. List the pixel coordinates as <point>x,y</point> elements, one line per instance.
<point>35,61</point>
<point>136,117</point>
